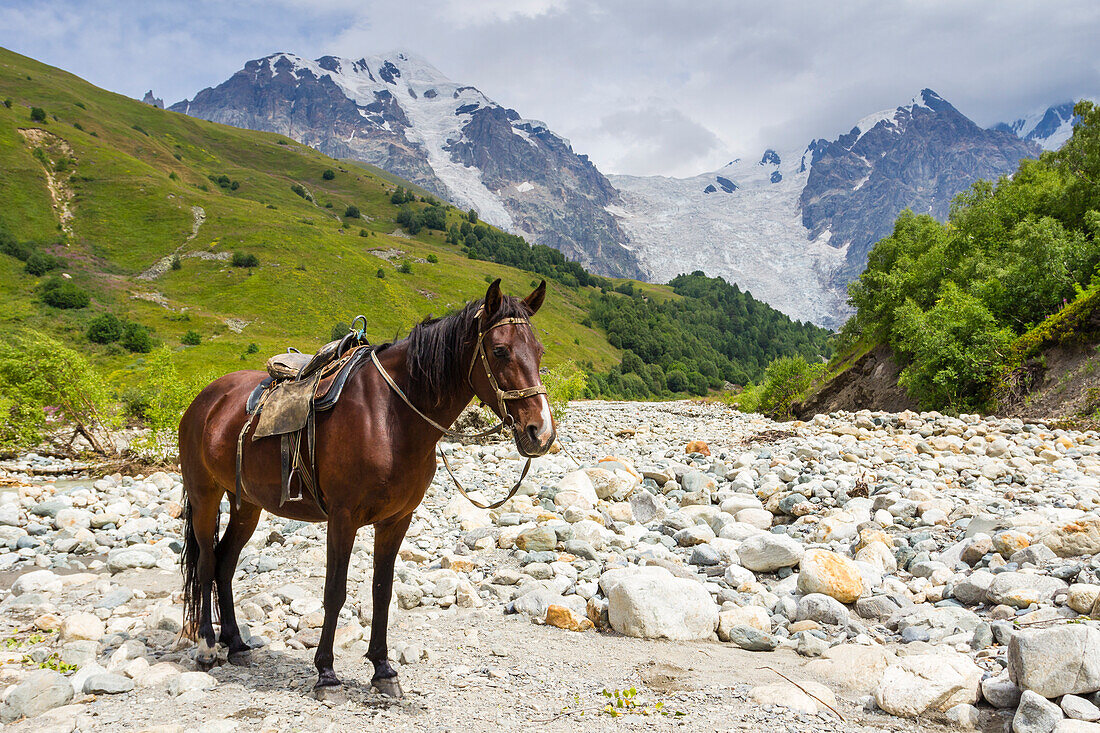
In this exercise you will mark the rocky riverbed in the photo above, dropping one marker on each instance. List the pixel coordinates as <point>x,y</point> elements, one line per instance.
<point>865,571</point>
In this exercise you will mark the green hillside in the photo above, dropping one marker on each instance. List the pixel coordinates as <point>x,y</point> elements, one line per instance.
<point>123,226</point>
<point>136,175</point>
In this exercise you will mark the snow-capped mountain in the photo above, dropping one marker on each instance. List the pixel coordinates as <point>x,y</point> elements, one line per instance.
<point>398,112</point>
<point>1049,127</point>
<point>795,227</point>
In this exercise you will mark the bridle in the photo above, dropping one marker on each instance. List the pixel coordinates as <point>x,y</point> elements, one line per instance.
<point>506,419</point>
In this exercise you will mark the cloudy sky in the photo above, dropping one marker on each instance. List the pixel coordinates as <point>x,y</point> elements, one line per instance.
<point>643,87</point>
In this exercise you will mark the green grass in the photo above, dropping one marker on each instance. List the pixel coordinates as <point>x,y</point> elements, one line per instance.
<point>315,269</point>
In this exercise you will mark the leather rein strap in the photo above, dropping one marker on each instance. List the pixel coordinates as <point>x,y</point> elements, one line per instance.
<point>502,397</point>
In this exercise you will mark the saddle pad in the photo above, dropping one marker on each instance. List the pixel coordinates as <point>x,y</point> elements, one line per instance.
<point>286,409</point>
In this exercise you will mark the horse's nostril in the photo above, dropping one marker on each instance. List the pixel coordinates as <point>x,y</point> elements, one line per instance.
<point>532,432</point>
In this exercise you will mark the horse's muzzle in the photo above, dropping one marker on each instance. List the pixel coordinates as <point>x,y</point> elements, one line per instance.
<point>531,443</point>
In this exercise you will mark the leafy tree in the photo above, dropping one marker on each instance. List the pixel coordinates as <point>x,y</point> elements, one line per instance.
<point>786,381</point>
<point>564,383</point>
<point>177,263</point>
<point>381,274</point>
<point>38,114</point>
<point>405,268</point>
<point>471,216</point>
<point>351,212</point>
<point>329,174</point>
<point>40,376</point>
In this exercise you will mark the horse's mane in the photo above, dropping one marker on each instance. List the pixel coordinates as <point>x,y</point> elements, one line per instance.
<point>438,347</point>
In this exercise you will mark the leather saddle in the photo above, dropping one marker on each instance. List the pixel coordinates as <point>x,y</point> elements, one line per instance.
<point>286,403</point>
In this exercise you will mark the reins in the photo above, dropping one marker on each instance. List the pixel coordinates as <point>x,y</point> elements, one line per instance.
<point>506,420</point>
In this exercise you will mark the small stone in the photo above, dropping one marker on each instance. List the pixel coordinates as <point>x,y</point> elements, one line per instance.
<point>81,626</point>
<point>188,681</point>
<point>537,539</point>
<point>926,683</point>
<point>753,616</point>
<point>1008,542</point>
<point>697,446</point>
<point>768,552</point>
<point>822,571</point>
<point>566,618</point>
<point>963,716</point>
<point>1079,708</point>
<point>41,690</point>
<point>1000,691</point>
<point>802,698</point>
<point>822,609</point>
<point>751,639</point>
<point>107,683</point>
<point>1035,714</point>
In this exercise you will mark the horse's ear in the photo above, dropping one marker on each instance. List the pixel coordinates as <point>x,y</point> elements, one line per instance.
<point>492,299</point>
<point>534,300</point>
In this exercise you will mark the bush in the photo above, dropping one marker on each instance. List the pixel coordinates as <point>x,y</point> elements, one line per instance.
<point>364,233</point>
<point>191,338</point>
<point>140,129</point>
<point>433,259</point>
<point>298,189</point>
<point>38,114</point>
<point>252,349</point>
<point>381,274</point>
<point>329,174</point>
<point>39,263</point>
<point>340,330</point>
<point>105,328</point>
<point>7,103</point>
<point>564,383</point>
<point>64,294</point>
<point>242,259</point>
<point>405,268</point>
<point>177,263</point>
<point>352,212</point>
<point>786,381</point>
<point>136,338</point>
<point>471,216</point>
<point>167,395</point>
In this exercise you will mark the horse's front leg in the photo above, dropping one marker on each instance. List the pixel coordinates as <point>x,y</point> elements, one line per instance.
<point>341,538</point>
<point>387,541</point>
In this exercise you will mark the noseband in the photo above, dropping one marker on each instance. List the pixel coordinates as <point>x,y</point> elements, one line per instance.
<point>506,419</point>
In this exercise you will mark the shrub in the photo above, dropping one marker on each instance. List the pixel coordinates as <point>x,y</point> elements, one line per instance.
<point>177,263</point>
<point>38,114</point>
<point>140,129</point>
<point>298,189</point>
<point>7,103</point>
<point>329,174</point>
<point>564,383</point>
<point>252,348</point>
<point>364,233</point>
<point>168,395</point>
<point>381,274</point>
<point>471,216</point>
<point>340,330</point>
<point>191,338</point>
<point>39,263</point>
<point>105,328</point>
<point>352,212</point>
<point>64,294</point>
<point>136,338</point>
<point>433,259</point>
<point>243,259</point>
<point>405,268</point>
<point>78,126</point>
<point>786,380</point>
<point>14,248</point>
<point>173,177</point>
<point>234,185</point>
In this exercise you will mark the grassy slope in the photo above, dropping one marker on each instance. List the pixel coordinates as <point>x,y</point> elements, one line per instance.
<point>316,269</point>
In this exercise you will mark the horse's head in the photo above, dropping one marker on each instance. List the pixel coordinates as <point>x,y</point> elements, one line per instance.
<point>504,371</point>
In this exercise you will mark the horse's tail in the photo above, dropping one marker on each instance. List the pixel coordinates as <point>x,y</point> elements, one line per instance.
<point>189,564</point>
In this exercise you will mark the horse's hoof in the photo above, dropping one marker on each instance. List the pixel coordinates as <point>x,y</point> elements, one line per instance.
<point>242,658</point>
<point>329,692</point>
<point>388,686</point>
<point>205,664</point>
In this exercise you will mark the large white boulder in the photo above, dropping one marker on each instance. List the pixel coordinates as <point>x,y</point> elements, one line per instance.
<point>651,603</point>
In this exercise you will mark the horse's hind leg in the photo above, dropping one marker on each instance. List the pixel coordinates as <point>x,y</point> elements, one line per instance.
<point>200,532</point>
<point>387,541</point>
<point>242,523</point>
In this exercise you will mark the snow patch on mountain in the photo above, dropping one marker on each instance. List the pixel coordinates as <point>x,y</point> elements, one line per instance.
<point>1049,127</point>
<point>752,235</point>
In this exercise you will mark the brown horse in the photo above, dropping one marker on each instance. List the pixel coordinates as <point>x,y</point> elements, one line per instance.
<point>375,457</point>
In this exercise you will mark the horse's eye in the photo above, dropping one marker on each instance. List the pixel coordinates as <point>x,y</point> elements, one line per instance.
<point>500,352</point>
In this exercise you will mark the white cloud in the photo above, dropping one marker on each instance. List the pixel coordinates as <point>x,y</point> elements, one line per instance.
<point>688,84</point>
